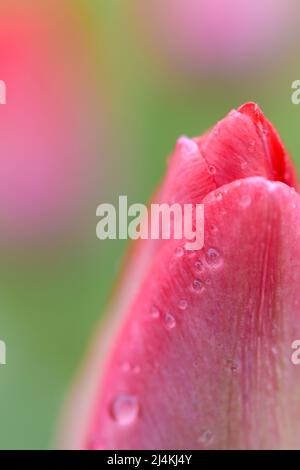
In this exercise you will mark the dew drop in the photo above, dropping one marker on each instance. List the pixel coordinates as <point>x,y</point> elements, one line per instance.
<point>183,304</point>
<point>155,313</point>
<point>125,409</point>
<point>219,196</point>
<point>244,165</point>
<point>232,365</point>
<point>170,321</point>
<point>198,265</point>
<point>212,170</point>
<point>245,200</point>
<point>179,252</point>
<point>197,285</point>
<point>213,257</point>
<point>206,437</point>
<point>214,228</point>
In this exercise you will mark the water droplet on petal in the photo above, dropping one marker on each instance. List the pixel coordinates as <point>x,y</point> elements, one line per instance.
<point>274,351</point>
<point>183,304</point>
<point>179,252</point>
<point>155,313</point>
<point>206,437</point>
<point>245,200</point>
<point>197,285</point>
<point>125,409</point>
<point>213,257</point>
<point>219,196</point>
<point>212,170</point>
<point>232,365</point>
<point>199,265</point>
<point>170,321</point>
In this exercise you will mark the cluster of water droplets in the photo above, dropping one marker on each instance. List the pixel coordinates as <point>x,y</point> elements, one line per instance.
<point>203,266</point>
<point>125,407</point>
<point>219,197</point>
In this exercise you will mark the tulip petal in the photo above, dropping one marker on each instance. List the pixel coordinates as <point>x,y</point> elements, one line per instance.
<point>203,357</point>
<point>149,363</point>
<point>242,144</point>
<point>283,169</point>
<point>245,144</point>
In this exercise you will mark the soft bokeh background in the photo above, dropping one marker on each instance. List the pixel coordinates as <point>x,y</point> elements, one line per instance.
<point>97,93</point>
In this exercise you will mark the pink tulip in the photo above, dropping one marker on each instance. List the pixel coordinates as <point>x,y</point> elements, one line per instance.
<point>218,35</point>
<point>198,351</point>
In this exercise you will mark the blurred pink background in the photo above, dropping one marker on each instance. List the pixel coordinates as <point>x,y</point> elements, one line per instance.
<point>52,121</point>
<point>226,36</point>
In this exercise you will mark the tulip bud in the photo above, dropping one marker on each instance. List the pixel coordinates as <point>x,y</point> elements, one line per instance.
<point>197,352</point>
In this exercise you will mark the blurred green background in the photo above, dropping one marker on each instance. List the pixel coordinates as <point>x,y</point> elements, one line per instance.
<point>53,294</point>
